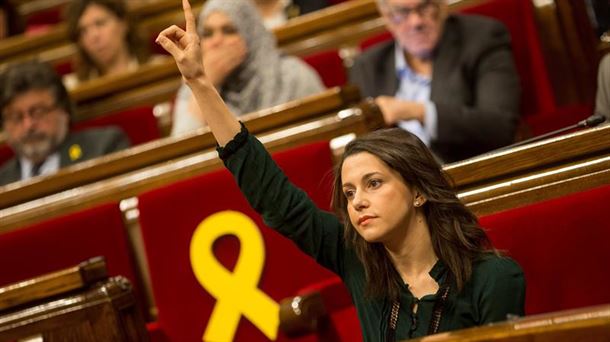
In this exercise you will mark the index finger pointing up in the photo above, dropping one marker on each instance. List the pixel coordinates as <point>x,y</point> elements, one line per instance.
<point>188,16</point>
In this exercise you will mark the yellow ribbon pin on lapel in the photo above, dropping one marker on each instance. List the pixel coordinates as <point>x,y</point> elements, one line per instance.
<point>75,152</point>
<point>236,292</point>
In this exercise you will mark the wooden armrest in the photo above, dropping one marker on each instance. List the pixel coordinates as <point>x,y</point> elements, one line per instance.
<point>584,324</point>
<point>302,315</point>
<point>54,283</point>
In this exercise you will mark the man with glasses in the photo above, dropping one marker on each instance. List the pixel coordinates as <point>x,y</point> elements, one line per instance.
<point>448,78</point>
<point>35,117</point>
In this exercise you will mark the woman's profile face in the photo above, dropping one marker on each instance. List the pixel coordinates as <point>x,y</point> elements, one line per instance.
<point>102,34</point>
<point>379,202</point>
<point>218,30</point>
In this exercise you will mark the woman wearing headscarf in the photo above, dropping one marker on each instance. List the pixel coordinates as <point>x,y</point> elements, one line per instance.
<point>244,64</point>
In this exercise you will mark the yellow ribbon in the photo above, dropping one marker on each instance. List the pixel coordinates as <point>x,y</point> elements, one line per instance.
<point>75,152</point>
<point>236,292</point>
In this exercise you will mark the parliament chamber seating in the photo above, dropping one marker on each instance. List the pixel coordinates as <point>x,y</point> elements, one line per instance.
<point>132,184</point>
<point>562,245</point>
<point>168,233</point>
<point>361,120</point>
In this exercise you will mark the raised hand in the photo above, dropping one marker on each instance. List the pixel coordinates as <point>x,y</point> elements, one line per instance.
<point>184,45</point>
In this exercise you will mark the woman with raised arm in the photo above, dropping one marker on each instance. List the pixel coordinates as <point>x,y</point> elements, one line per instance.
<point>413,257</point>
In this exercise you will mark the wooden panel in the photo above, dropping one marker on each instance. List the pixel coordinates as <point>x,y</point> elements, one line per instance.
<point>326,19</point>
<point>532,173</point>
<point>561,149</point>
<point>587,324</point>
<point>52,284</point>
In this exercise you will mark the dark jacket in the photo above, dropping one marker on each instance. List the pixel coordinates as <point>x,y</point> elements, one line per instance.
<point>90,143</point>
<point>475,85</point>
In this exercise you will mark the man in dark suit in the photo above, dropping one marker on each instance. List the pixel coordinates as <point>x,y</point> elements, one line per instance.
<point>450,79</point>
<point>35,116</point>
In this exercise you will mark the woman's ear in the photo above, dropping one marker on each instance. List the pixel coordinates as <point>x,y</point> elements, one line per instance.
<point>419,199</point>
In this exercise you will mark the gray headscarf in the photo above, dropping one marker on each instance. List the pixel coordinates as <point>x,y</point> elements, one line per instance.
<point>265,78</point>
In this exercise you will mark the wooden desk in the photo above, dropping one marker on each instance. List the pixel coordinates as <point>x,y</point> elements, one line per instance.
<point>535,172</point>
<point>587,324</point>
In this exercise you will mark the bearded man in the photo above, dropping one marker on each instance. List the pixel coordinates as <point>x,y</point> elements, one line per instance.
<point>36,115</point>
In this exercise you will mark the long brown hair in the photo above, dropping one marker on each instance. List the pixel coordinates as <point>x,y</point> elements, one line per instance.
<point>136,45</point>
<point>456,236</point>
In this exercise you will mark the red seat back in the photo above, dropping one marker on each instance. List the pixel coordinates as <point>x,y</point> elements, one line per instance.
<point>170,215</point>
<point>562,245</point>
<point>329,66</point>
<point>518,15</point>
<point>6,153</point>
<point>139,123</point>
<point>65,241</point>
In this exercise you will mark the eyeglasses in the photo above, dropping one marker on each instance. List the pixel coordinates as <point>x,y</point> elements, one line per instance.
<point>425,9</point>
<point>35,113</point>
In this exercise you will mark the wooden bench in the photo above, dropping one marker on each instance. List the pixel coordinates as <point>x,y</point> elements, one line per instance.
<point>531,173</point>
<point>586,324</point>
<point>78,303</point>
<point>358,119</point>
<point>163,150</point>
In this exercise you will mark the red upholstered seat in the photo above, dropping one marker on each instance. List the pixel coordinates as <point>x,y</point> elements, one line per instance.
<point>518,16</point>
<point>6,153</point>
<point>538,103</point>
<point>170,215</point>
<point>65,241</point>
<point>139,123</point>
<point>562,245</point>
<point>329,66</point>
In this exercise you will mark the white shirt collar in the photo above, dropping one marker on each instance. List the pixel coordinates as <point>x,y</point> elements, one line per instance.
<point>49,166</point>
